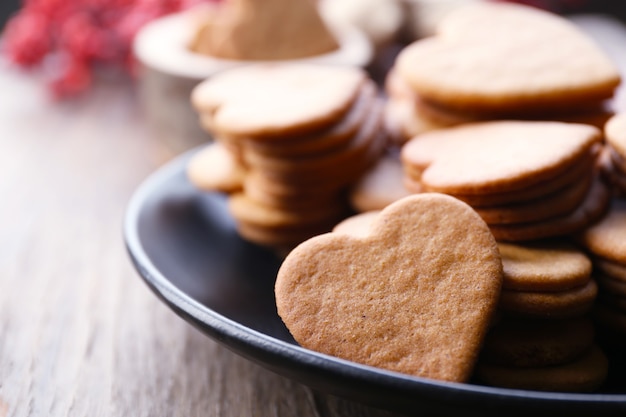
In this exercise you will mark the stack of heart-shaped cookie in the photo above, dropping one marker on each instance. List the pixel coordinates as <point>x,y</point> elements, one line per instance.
<point>606,241</point>
<point>484,64</point>
<point>544,339</point>
<point>303,134</point>
<point>614,153</point>
<point>527,179</point>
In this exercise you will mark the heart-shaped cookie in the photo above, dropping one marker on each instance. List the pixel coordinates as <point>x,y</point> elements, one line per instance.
<point>415,295</point>
<point>504,59</point>
<point>277,100</point>
<point>494,157</point>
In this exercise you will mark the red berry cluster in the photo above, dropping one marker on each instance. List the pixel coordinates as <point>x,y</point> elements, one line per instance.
<point>78,34</point>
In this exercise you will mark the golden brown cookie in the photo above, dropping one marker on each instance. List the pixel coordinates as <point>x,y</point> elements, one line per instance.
<point>573,302</point>
<point>440,116</point>
<point>559,203</point>
<point>612,159</point>
<point>607,238</point>
<point>299,199</point>
<point>585,374</point>
<point>403,122</point>
<point>611,285</point>
<point>338,171</point>
<point>334,163</point>
<point>611,269</point>
<point>392,299</point>
<point>572,175</point>
<point>485,59</point>
<point>281,227</point>
<point>380,186</point>
<point>246,210</point>
<point>282,240</point>
<point>615,134</point>
<point>215,168</point>
<point>357,224</point>
<point>326,140</point>
<point>544,266</point>
<point>397,88</point>
<point>495,157</point>
<point>591,210</point>
<point>413,186</point>
<point>595,115</point>
<point>276,100</point>
<point>616,180</point>
<point>289,190</point>
<point>618,161</point>
<point>408,114</point>
<point>537,343</point>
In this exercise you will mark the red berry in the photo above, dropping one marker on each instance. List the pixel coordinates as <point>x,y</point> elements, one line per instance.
<point>86,32</point>
<point>26,41</point>
<point>75,79</point>
<point>129,24</point>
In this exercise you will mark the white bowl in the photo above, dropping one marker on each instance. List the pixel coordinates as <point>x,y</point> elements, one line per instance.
<point>163,44</point>
<point>170,70</point>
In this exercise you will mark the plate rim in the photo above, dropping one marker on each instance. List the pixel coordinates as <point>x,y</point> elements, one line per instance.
<point>242,339</point>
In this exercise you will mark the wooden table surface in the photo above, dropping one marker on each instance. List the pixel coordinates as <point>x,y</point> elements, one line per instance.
<point>81,334</point>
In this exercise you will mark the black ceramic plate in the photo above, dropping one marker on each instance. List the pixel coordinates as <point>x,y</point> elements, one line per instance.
<point>184,245</point>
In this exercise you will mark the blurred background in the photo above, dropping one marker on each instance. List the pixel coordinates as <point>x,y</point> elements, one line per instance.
<point>70,44</point>
<point>7,8</point>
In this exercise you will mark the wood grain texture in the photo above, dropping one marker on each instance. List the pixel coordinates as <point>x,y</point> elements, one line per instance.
<point>81,334</point>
